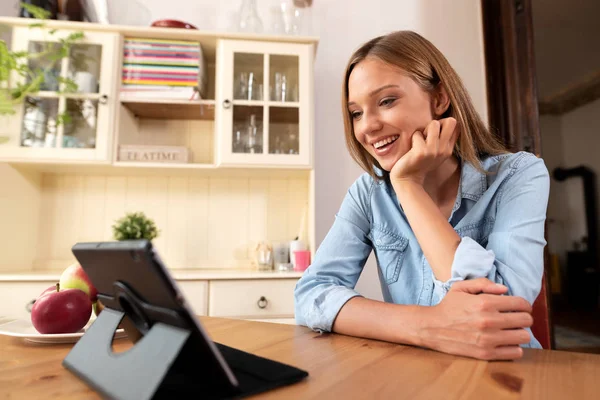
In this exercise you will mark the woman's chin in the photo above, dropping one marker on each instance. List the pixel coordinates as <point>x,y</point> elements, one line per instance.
<point>388,163</point>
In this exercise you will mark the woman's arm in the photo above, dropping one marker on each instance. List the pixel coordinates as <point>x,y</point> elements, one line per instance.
<point>517,239</point>
<point>435,235</point>
<point>330,280</point>
<point>514,253</point>
<point>472,320</point>
<point>465,322</point>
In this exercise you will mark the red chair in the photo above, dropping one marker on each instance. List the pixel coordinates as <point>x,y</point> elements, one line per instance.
<point>541,318</point>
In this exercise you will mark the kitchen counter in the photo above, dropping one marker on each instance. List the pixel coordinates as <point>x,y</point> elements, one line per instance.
<point>178,274</point>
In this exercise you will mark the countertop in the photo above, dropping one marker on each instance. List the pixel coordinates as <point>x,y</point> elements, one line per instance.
<point>178,274</point>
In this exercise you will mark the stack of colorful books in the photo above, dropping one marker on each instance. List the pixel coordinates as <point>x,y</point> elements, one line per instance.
<point>160,68</point>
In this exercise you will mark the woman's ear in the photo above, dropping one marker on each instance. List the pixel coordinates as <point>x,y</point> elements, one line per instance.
<point>441,101</point>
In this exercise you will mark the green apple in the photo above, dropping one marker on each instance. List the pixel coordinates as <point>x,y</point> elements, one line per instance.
<point>74,277</point>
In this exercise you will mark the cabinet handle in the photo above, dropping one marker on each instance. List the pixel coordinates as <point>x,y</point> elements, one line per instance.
<point>29,305</point>
<point>226,104</point>
<point>262,302</point>
<point>103,99</point>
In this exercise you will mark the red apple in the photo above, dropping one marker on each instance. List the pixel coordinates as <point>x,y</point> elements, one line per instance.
<point>50,289</point>
<point>74,277</point>
<point>64,311</point>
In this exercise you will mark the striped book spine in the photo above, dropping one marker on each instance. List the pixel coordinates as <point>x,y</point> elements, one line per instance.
<point>160,63</point>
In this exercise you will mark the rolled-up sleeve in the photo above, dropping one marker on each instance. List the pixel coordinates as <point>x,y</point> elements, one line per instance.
<point>330,280</point>
<point>514,255</point>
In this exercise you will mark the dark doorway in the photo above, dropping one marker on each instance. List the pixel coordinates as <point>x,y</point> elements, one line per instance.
<point>538,91</point>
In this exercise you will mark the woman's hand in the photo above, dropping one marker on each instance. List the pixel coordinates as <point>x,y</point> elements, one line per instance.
<point>429,150</point>
<point>473,320</point>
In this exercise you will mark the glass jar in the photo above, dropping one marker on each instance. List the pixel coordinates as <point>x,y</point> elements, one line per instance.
<point>249,19</point>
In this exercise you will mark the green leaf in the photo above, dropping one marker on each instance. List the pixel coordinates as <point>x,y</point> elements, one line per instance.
<point>19,54</point>
<point>70,85</point>
<point>37,25</point>
<point>75,36</point>
<point>63,118</point>
<point>6,104</point>
<point>36,11</point>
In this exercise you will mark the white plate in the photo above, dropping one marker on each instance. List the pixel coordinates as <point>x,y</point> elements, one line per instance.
<point>22,328</point>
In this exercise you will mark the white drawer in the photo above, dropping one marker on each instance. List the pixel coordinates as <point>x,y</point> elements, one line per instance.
<point>196,294</point>
<point>15,296</point>
<point>271,298</point>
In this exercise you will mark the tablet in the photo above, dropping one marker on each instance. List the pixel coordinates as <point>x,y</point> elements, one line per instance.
<point>135,267</point>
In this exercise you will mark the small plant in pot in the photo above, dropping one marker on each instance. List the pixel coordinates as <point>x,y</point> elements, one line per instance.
<point>135,226</point>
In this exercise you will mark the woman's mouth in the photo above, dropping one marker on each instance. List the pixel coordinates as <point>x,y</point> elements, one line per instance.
<point>383,146</point>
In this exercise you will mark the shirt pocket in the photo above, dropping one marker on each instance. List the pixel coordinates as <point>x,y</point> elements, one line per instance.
<point>390,249</point>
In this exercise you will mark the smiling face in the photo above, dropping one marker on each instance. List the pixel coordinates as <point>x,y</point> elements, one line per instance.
<point>386,108</point>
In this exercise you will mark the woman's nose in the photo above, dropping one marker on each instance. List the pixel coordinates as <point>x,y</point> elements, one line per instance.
<point>370,123</point>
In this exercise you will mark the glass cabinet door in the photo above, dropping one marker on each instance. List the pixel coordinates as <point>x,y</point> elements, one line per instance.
<point>69,117</point>
<point>264,94</point>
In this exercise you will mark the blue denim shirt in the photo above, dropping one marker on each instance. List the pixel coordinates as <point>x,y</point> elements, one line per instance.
<point>499,216</point>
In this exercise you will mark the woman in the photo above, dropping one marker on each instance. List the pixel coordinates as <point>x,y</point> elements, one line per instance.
<point>455,220</point>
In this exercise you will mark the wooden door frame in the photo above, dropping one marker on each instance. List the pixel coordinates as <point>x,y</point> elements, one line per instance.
<point>512,97</point>
<point>510,68</point>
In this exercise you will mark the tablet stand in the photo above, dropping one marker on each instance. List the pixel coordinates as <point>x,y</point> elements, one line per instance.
<point>164,363</point>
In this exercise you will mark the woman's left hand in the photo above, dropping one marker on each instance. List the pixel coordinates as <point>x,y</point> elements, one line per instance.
<point>429,150</point>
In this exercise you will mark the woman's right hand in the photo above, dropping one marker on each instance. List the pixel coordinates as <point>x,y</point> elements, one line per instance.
<point>474,320</point>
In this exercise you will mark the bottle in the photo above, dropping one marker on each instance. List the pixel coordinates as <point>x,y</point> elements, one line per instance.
<point>249,19</point>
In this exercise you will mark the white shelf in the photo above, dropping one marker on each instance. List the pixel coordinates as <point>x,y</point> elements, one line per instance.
<point>171,108</point>
<point>206,102</point>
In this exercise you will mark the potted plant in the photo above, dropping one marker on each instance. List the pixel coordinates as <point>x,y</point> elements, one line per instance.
<point>135,226</point>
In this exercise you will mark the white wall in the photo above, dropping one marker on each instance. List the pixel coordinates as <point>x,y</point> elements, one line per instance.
<point>570,140</point>
<point>453,26</point>
<point>8,8</point>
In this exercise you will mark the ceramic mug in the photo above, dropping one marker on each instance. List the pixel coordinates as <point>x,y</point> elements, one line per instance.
<point>86,82</point>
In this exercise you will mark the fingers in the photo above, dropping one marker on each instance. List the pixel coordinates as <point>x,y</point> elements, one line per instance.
<point>504,304</point>
<point>504,353</point>
<point>449,133</point>
<point>506,320</point>
<point>418,141</point>
<point>508,337</point>
<point>432,135</point>
<point>479,285</point>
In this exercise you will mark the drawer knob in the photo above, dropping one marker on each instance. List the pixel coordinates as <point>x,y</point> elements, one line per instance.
<point>262,302</point>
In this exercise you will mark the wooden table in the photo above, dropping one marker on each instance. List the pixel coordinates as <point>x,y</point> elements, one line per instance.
<point>339,367</point>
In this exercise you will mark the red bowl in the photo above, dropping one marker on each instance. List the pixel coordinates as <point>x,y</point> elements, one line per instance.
<point>172,23</point>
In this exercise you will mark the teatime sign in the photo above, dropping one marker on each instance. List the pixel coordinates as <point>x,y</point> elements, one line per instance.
<point>156,154</point>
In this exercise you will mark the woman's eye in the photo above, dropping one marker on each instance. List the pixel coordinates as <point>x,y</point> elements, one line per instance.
<point>387,101</point>
<point>355,114</point>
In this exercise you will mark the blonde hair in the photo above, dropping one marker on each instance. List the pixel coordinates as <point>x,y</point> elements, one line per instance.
<point>428,67</point>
